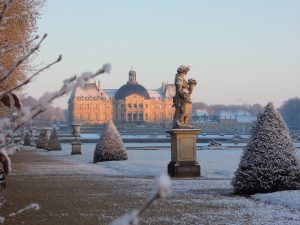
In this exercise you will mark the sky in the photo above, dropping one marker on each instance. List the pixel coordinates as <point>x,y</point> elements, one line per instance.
<point>240,52</point>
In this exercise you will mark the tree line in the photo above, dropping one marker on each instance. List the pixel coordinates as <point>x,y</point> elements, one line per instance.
<point>289,110</point>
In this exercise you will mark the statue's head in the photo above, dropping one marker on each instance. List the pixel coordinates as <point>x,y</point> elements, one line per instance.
<point>183,69</point>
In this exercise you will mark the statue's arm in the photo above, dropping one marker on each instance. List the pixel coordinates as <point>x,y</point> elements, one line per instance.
<point>178,85</point>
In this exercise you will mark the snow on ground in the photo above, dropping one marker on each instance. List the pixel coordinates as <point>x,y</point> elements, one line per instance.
<point>290,199</point>
<point>213,188</point>
<point>150,163</point>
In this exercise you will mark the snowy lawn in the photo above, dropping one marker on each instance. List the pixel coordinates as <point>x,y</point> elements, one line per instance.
<point>217,169</point>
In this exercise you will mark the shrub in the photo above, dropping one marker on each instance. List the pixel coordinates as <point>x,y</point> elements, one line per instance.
<point>269,162</point>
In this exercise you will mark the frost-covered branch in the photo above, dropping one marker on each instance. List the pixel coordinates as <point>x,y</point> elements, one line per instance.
<point>19,61</point>
<point>163,189</point>
<point>69,84</point>
<point>32,206</point>
<point>28,113</point>
<point>8,48</point>
<point>32,76</point>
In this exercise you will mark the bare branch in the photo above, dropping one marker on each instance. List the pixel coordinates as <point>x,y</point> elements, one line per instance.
<point>48,98</point>
<point>7,48</point>
<point>21,60</point>
<point>32,76</point>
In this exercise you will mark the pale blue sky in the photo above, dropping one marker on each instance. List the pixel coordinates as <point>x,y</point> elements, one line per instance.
<point>239,51</point>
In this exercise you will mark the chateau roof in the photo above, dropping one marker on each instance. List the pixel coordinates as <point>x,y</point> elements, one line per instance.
<point>90,90</point>
<point>131,88</point>
<point>170,90</point>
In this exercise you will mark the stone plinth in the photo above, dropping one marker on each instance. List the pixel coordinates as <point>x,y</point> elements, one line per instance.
<point>76,147</point>
<point>32,141</point>
<point>183,153</point>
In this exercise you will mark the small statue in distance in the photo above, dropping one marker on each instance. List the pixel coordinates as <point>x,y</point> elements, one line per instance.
<point>182,100</point>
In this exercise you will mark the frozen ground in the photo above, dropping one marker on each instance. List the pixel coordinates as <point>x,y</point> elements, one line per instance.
<point>208,200</point>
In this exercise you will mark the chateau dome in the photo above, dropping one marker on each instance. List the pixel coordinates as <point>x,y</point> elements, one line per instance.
<point>129,89</point>
<point>132,87</point>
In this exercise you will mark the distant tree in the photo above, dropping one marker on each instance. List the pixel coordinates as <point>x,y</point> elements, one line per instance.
<point>256,109</point>
<point>200,105</point>
<point>269,162</point>
<point>290,111</point>
<point>110,147</point>
<point>52,114</point>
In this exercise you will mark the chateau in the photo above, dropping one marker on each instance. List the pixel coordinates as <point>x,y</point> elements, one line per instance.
<point>132,103</point>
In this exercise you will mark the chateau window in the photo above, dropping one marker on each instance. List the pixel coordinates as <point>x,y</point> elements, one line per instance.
<point>140,116</point>
<point>129,116</point>
<point>146,106</point>
<point>141,106</point>
<point>129,105</point>
<point>146,116</point>
<point>122,105</point>
<point>87,106</point>
<point>135,105</point>
<point>134,116</point>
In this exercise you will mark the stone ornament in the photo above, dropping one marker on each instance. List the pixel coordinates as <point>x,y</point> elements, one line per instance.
<point>182,100</point>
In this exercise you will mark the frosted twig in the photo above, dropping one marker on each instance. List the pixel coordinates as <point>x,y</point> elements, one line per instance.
<point>163,189</point>
<point>7,48</point>
<point>2,219</point>
<point>32,76</point>
<point>8,72</point>
<point>32,206</point>
<point>48,98</point>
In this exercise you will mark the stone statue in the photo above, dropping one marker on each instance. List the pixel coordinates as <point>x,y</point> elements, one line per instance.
<point>182,99</point>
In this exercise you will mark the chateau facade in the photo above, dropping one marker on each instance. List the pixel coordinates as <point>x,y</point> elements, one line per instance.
<point>130,104</point>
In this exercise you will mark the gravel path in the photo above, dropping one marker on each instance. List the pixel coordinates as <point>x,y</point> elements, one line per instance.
<point>79,198</point>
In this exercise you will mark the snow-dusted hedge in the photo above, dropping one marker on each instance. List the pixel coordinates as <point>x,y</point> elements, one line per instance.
<point>110,147</point>
<point>269,162</point>
<point>53,143</point>
<point>42,140</point>
<point>27,139</point>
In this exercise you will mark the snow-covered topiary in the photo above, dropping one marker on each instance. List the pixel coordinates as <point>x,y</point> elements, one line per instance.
<point>110,147</point>
<point>269,162</point>
<point>53,143</point>
<point>42,141</point>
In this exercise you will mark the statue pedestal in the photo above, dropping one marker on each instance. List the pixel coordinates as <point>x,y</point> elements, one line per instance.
<point>32,142</point>
<point>76,147</point>
<point>183,153</point>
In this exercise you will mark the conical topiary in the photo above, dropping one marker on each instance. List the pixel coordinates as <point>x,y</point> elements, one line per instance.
<point>53,143</point>
<point>269,162</point>
<point>42,141</point>
<point>26,139</point>
<point>110,147</point>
